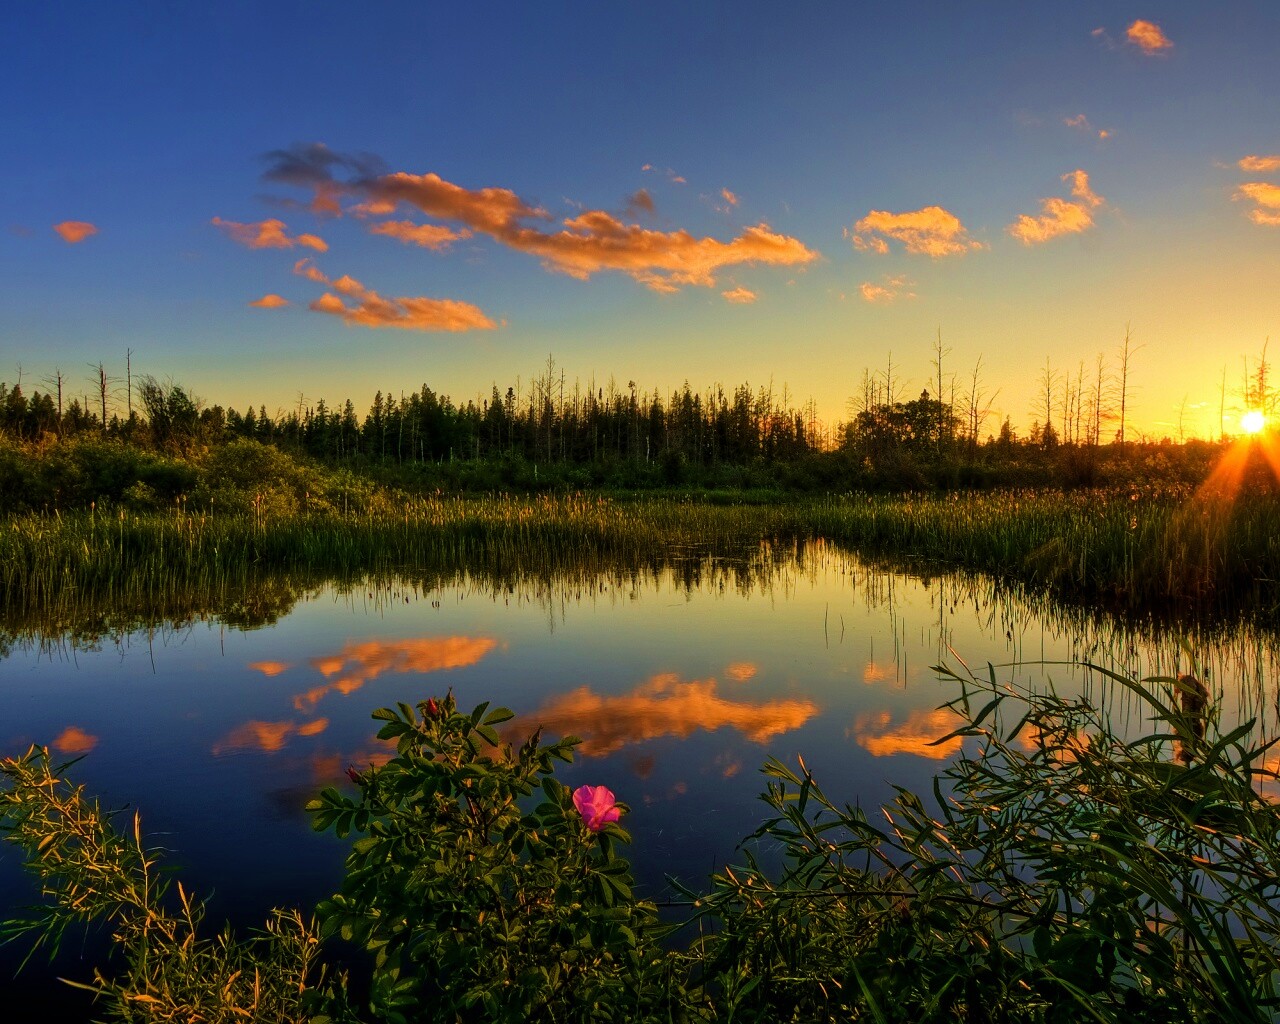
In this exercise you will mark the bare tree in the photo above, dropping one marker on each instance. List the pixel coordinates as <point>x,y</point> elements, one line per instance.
<point>1127,350</point>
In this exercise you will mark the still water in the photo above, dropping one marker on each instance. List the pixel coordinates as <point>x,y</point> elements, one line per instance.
<point>681,676</point>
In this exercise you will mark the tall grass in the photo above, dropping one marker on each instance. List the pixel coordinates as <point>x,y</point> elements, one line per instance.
<point>1164,552</point>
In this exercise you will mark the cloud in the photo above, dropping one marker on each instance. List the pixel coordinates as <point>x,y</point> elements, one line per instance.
<point>729,197</point>
<point>916,735</point>
<point>404,312</point>
<point>667,171</point>
<point>75,231</point>
<point>361,662</point>
<point>930,231</point>
<point>1148,37</point>
<point>665,706</point>
<point>267,234</point>
<point>1267,200</point>
<point>436,237</point>
<point>74,740</point>
<point>270,301</point>
<point>1059,216</point>
<point>1260,164</point>
<point>591,241</point>
<point>639,202</point>
<point>893,288</point>
<point>741,671</point>
<point>1081,122</point>
<point>740,295</point>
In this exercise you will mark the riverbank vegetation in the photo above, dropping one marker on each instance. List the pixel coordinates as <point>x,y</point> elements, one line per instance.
<point>1059,871</point>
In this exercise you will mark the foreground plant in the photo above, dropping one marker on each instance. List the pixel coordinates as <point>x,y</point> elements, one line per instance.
<point>90,872</point>
<point>1065,873</point>
<point>477,905</point>
<point>1061,872</point>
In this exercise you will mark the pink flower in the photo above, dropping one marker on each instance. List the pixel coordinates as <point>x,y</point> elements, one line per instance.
<point>597,805</point>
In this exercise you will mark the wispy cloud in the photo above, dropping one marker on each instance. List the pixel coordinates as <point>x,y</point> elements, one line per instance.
<point>740,295</point>
<point>930,231</point>
<point>889,290</point>
<point>1266,199</point>
<point>1079,121</point>
<point>1260,164</point>
<point>369,309</point>
<point>582,245</point>
<point>1059,216</point>
<point>638,202</point>
<point>270,301</point>
<point>666,172</point>
<point>729,197</point>
<point>267,234</point>
<point>436,237</point>
<point>75,231</point>
<point>1148,37</point>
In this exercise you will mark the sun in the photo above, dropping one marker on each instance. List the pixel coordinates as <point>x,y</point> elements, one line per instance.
<point>1252,422</point>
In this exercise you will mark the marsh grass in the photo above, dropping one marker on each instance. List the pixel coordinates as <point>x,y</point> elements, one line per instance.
<point>1163,552</point>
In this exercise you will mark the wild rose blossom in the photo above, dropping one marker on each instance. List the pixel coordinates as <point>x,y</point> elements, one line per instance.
<point>597,805</point>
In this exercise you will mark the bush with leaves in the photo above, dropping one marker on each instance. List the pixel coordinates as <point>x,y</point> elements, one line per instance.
<point>477,905</point>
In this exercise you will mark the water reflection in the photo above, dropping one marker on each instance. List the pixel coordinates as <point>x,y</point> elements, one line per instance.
<point>267,737</point>
<point>682,674</point>
<point>665,706</point>
<point>74,740</point>
<point>919,734</point>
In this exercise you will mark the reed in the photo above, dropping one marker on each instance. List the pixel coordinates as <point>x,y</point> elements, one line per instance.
<point>1160,551</point>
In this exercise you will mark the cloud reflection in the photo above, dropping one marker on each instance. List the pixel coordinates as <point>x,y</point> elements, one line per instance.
<point>665,706</point>
<point>74,740</point>
<point>876,734</point>
<point>360,662</point>
<point>267,737</point>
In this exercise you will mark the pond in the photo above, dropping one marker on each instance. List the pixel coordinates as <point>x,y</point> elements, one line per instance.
<point>682,675</point>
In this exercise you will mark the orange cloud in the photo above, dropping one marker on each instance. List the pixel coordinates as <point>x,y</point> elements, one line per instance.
<point>267,234</point>
<point>74,740</point>
<point>729,197</point>
<point>1059,216</point>
<point>585,244</point>
<point>740,295</point>
<point>892,288</point>
<point>1267,200</point>
<point>360,662</point>
<point>1082,122</point>
<point>1260,164</point>
<point>75,231</point>
<point>407,313</point>
<point>270,301</point>
<point>741,671</point>
<point>1148,37</point>
<point>914,736</point>
<point>436,237</point>
<point>665,706</point>
<point>268,737</point>
<point>929,231</point>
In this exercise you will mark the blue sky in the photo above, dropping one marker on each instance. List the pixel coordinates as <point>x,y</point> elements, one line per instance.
<point>822,186</point>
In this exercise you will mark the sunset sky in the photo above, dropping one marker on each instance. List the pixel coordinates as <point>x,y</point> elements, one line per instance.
<point>272,200</point>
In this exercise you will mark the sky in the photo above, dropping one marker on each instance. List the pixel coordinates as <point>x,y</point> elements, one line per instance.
<point>273,203</point>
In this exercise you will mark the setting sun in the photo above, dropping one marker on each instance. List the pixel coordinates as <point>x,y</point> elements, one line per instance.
<point>1252,422</point>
